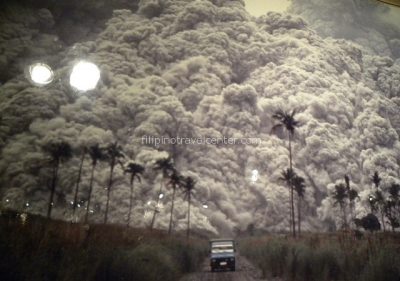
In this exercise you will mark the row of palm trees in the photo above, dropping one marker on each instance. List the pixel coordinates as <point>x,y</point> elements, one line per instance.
<point>388,207</point>
<point>61,152</point>
<point>383,202</point>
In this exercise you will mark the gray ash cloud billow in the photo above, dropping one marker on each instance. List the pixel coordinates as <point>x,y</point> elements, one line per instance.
<point>194,68</point>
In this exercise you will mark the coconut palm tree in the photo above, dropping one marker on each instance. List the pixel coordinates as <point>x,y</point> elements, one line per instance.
<point>96,154</point>
<point>114,154</point>
<point>378,200</point>
<point>188,186</point>
<point>299,186</point>
<point>352,195</point>
<point>392,206</point>
<point>287,120</point>
<point>287,176</point>
<point>339,197</point>
<point>376,179</point>
<point>78,181</point>
<point>175,181</point>
<point>164,165</point>
<point>59,152</point>
<point>135,170</point>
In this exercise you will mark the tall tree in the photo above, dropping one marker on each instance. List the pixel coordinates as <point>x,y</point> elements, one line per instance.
<point>339,197</point>
<point>175,181</point>
<point>114,154</point>
<point>188,186</point>
<point>287,120</point>
<point>392,206</point>
<point>287,176</point>
<point>378,198</point>
<point>135,170</point>
<point>352,195</point>
<point>59,152</point>
<point>299,186</point>
<point>78,181</point>
<point>164,165</point>
<point>376,179</point>
<point>96,154</point>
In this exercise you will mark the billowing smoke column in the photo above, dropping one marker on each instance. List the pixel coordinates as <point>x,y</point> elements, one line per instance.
<point>206,69</point>
<point>371,24</point>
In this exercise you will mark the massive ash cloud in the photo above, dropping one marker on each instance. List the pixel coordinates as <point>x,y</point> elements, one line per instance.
<point>207,68</point>
<point>371,24</point>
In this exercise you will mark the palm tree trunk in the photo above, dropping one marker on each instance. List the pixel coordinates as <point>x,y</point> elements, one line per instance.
<point>130,201</point>
<point>188,218</point>
<point>153,220</point>
<point>172,210</point>
<point>90,193</point>
<point>53,188</point>
<point>77,185</point>
<point>110,182</point>
<point>383,220</point>
<point>298,215</point>
<point>291,187</point>
<point>351,214</point>
<point>343,206</point>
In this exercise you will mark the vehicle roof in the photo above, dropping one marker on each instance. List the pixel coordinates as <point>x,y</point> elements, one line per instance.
<point>221,239</point>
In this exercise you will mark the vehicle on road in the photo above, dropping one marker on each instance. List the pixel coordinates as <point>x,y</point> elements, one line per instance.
<point>222,254</point>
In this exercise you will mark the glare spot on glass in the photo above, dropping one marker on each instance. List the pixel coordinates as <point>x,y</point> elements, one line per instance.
<point>41,74</point>
<point>254,175</point>
<point>84,76</point>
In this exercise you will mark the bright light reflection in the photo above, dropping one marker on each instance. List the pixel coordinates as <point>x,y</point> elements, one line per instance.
<point>41,74</point>
<point>254,175</point>
<point>205,206</point>
<point>84,76</point>
<point>161,196</point>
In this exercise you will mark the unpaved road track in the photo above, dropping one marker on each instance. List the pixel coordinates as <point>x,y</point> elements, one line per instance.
<point>245,271</point>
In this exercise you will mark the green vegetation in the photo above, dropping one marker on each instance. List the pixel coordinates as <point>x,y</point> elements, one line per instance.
<point>326,257</point>
<point>53,250</point>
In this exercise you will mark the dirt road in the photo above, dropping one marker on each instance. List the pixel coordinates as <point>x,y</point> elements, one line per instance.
<point>245,271</point>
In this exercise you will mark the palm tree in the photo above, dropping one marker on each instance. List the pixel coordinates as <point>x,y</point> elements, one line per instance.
<point>96,154</point>
<point>299,186</point>
<point>135,170</point>
<point>376,179</point>
<point>378,198</point>
<point>287,176</point>
<point>164,165</point>
<point>392,206</point>
<point>175,181</point>
<point>287,121</point>
<point>188,186</point>
<point>78,181</point>
<point>59,152</point>
<point>340,195</point>
<point>114,154</point>
<point>352,195</point>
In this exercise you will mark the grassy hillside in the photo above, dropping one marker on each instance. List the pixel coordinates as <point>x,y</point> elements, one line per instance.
<point>55,250</point>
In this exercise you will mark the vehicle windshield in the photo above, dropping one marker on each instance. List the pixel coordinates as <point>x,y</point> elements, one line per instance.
<point>227,249</point>
<point>222,247</point>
